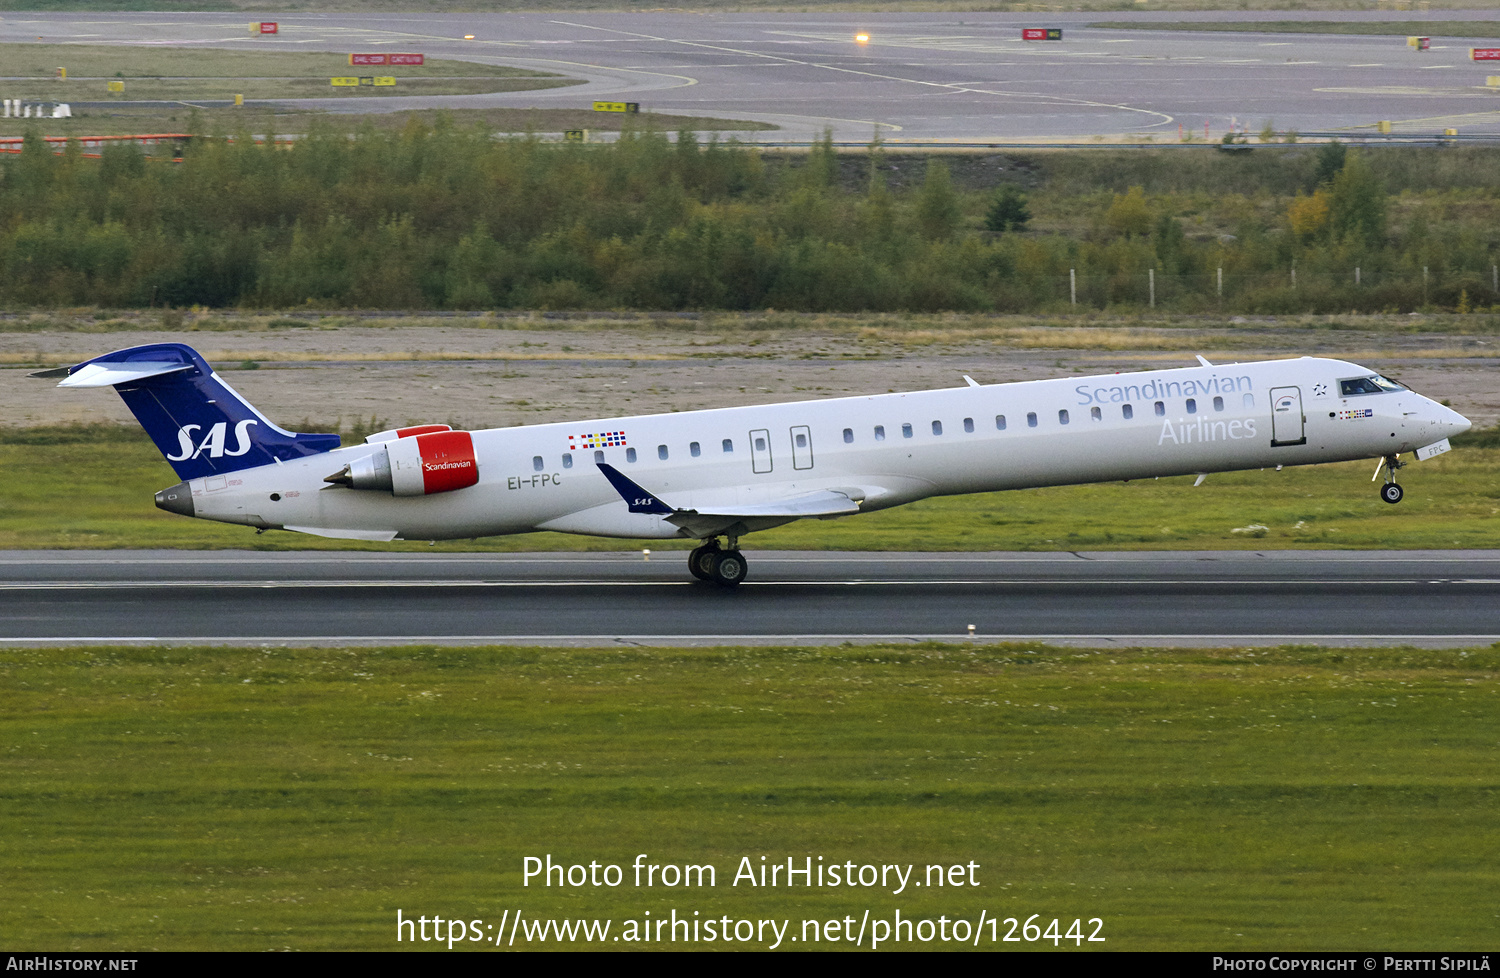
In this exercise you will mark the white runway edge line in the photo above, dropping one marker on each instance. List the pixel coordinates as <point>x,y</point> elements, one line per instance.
<point>730,641</point>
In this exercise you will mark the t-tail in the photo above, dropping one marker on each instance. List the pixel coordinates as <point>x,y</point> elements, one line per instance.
<point>201,424</point>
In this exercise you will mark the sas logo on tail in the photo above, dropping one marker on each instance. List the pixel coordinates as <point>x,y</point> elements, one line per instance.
<point>213,442</point>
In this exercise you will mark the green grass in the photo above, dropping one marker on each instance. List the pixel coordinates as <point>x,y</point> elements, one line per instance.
<point>188,74</point>
<point>1424,28</point>
<point>93,486</point>
<point>130,119</point>
<point>1280,799</point>
<point>136,63</point>
<point>288,7</point>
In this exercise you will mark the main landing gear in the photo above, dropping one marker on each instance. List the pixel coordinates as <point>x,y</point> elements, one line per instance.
<point>725,568</point>
<point>1390,492</point>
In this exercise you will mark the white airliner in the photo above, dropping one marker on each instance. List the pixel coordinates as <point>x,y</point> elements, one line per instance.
<point>727,472</point>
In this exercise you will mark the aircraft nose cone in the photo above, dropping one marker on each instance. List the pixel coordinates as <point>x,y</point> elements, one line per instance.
<point>1457,422</point>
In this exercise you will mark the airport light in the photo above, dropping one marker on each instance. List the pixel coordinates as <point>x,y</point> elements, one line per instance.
<point>468,37</point>
<point>861,39</point>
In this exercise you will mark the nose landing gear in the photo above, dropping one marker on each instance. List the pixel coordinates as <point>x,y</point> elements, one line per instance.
<point>724,567</point>
<point>1390,492</point>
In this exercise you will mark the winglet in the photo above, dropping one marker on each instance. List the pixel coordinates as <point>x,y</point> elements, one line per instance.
<point>1204,360</point>
<point>638,499</point>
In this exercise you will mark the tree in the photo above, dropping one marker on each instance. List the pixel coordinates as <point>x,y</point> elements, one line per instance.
<point>1008,212</point>
<point>1356,203</point>
<point>1329,162</point>
<point>938,210</point>
<point>1308,216</point>
<point>1128,214</point>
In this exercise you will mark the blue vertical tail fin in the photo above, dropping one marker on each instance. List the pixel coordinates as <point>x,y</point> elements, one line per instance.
<point>200,423</point>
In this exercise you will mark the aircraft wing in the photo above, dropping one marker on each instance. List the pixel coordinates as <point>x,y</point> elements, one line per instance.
<point>709,519</point>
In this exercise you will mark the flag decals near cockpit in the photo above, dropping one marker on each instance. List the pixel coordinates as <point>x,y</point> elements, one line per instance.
<point>1355,415</point>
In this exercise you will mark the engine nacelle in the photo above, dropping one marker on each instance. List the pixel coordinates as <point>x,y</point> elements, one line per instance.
<point>419,465</point>
<point>393,433</point>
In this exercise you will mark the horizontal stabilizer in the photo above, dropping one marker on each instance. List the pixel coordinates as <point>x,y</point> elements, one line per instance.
<point>110,374</point>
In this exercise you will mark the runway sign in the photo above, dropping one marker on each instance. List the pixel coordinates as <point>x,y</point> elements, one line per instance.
<point>264,27</point>
<point>344,82</point>
<point>575,135</point>
<point>1419,43</point>
<point>1484,54</point>
<point>115,86</point>
<point>387,59</point>
<point>631,107</point>
<point>385,82</point>
<point>1041,33</point>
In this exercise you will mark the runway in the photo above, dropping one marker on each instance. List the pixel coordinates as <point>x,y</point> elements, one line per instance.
<point>921,77</point>
<point>1345,598</point>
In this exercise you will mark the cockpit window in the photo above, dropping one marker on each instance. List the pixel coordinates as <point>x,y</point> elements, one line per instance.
<point>1368,385</point>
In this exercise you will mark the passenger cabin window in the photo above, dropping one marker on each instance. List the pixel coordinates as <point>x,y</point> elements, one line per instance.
<point>999,422</point>
<point>1161,409</point>
<point>848,436</point>
<point>906,431</point>
<point>630,455</point>
<point>694,449</point>
<point>661,452</point>
<point>1031,419</point>
<point>968,426</point>
<point>880,432</point>
<point>537,463</point>
<point>567,460</point>
<point>1127,411</point>
<point>1192,406</point>
<point>1218,404</point>
<point>937,427</point>
<point>1096,414</point>
<point>728,445</point>
<point>1062,416</point>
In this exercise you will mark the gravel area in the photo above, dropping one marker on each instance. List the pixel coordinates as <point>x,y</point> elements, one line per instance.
<point>490,376</point>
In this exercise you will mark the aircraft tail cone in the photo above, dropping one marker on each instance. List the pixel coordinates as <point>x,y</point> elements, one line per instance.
<point>178,499</point>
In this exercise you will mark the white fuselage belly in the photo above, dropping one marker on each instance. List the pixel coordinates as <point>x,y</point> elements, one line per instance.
<point>514,495</point>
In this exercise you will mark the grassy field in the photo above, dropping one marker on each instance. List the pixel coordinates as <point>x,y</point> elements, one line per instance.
<point>726,6</point>
<point>127,119</point>
<point>92,487</point>
<point>1280,799</point>
<point>188,74</point>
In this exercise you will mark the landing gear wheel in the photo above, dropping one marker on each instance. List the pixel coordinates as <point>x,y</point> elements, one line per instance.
<point>729,567</point>
<point>1391,493</point>
<point>700,561</point>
